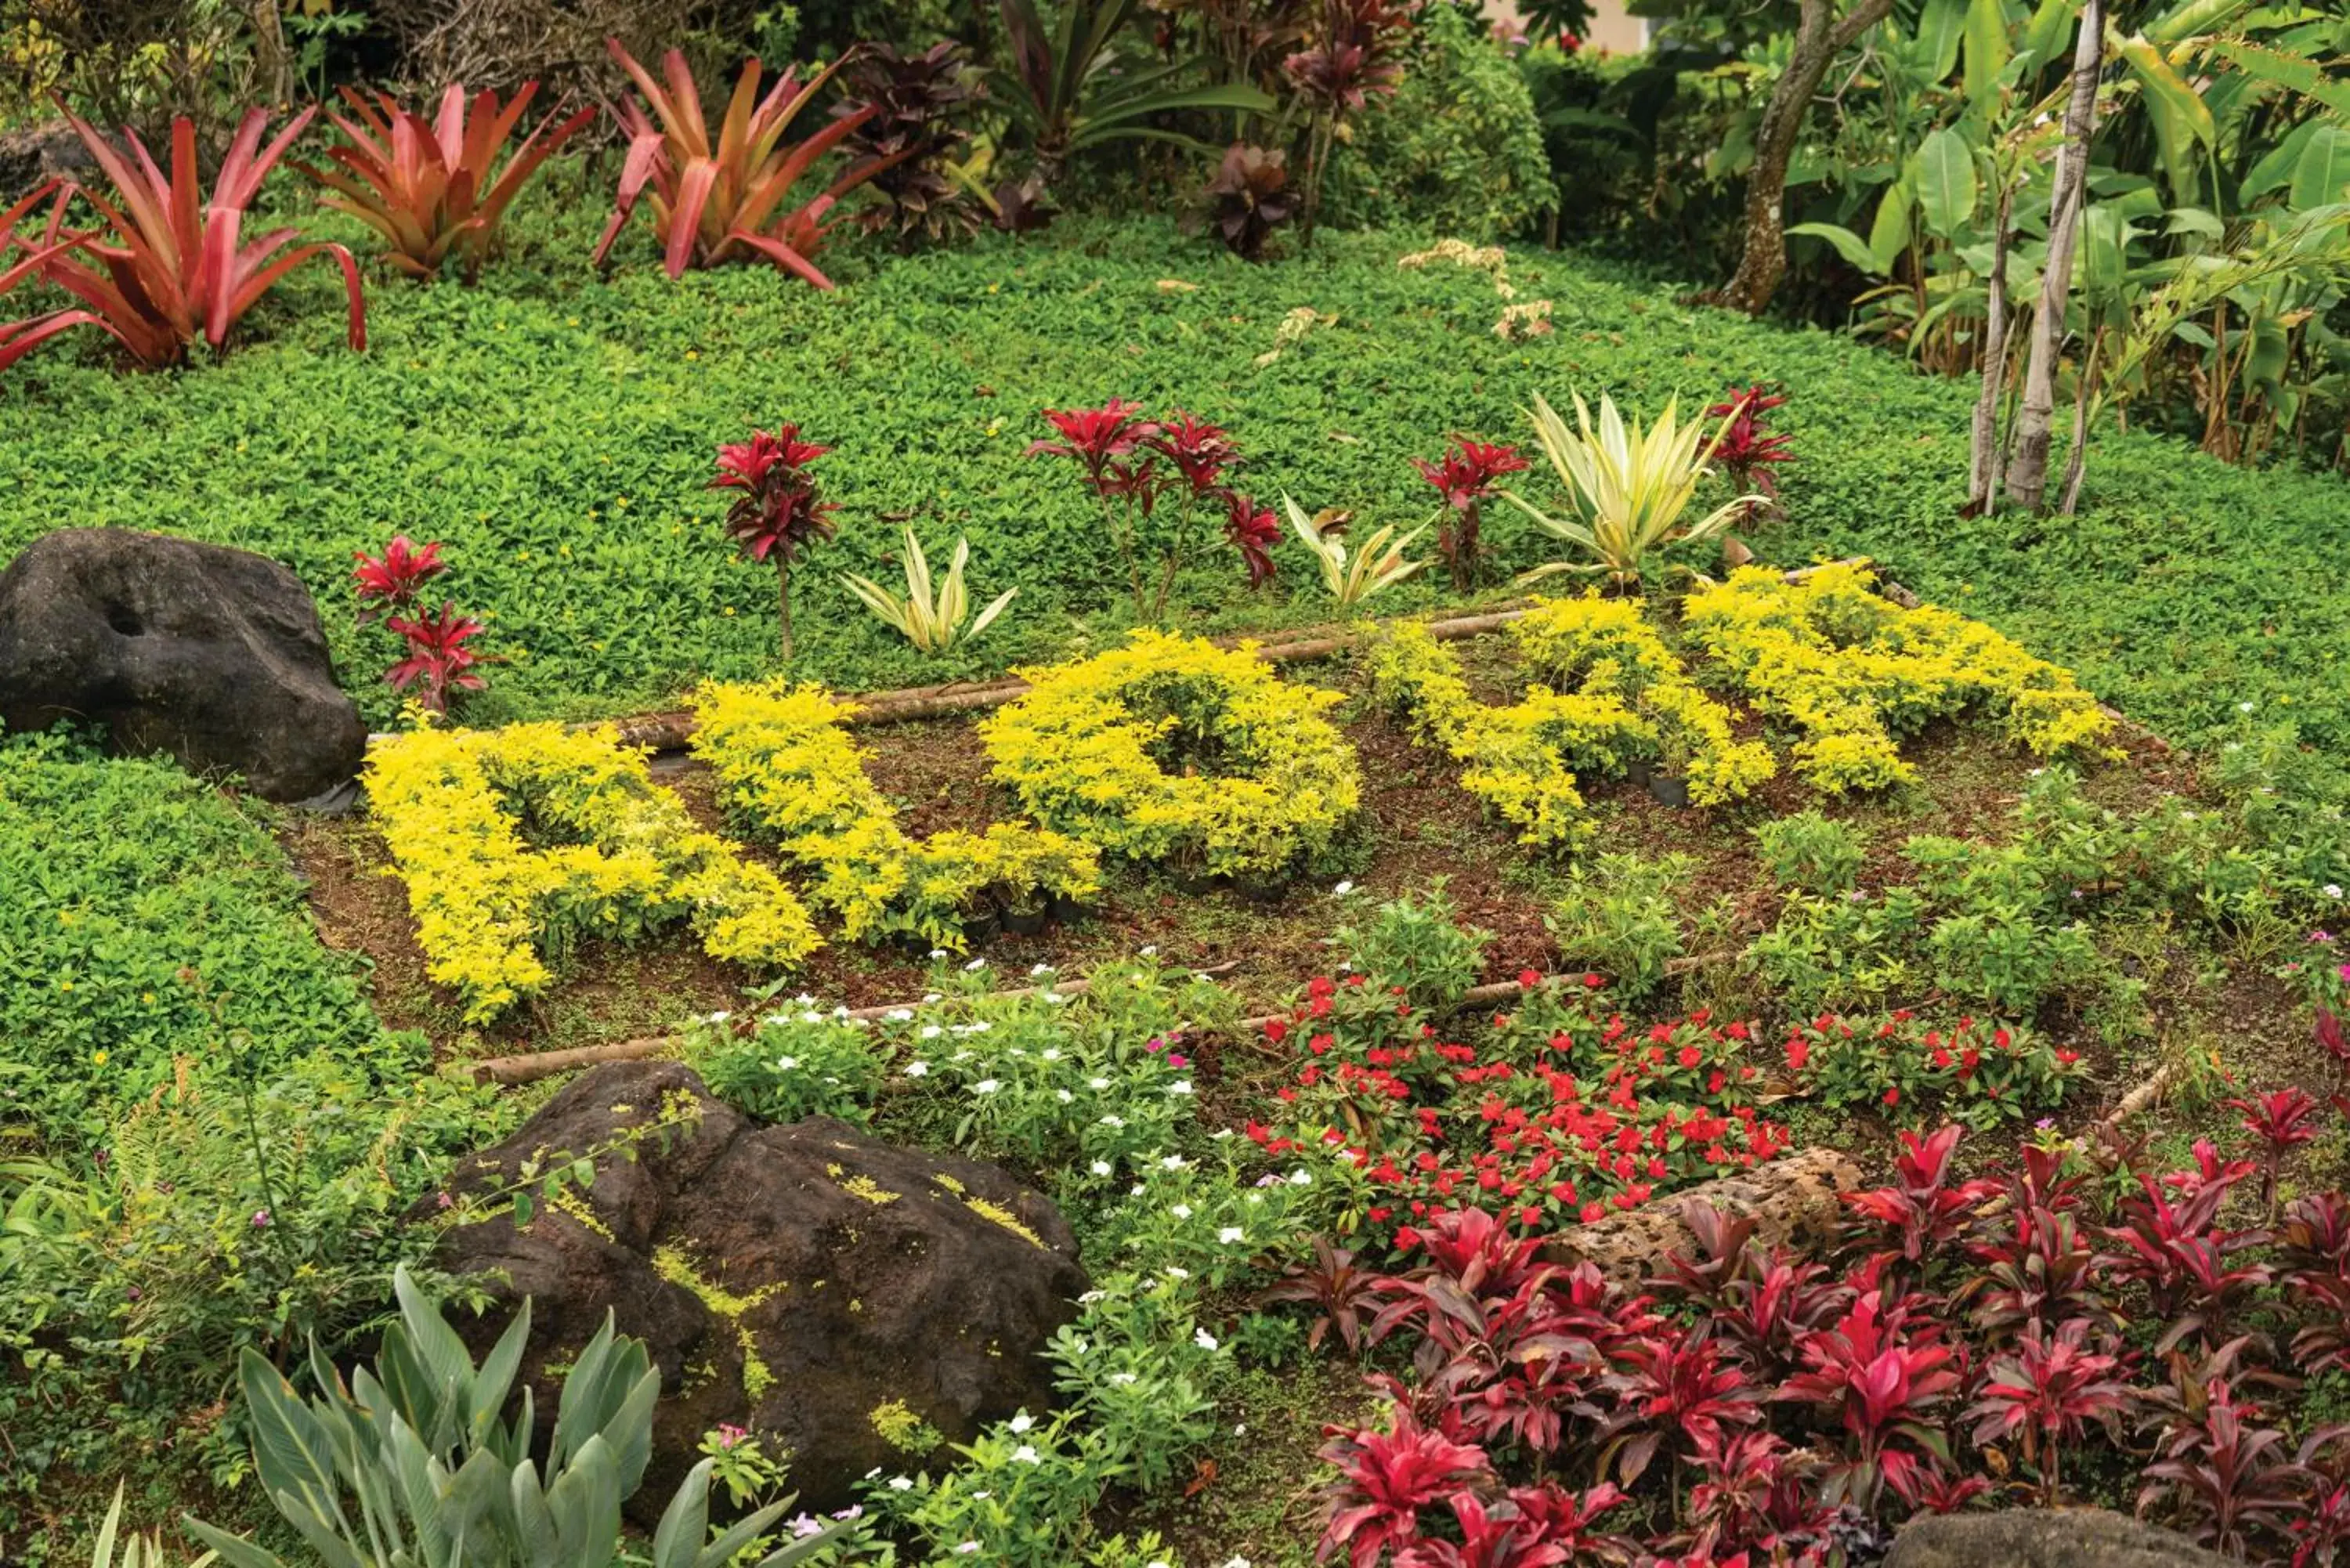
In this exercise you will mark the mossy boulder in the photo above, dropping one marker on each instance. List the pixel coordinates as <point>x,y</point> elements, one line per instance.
<point>855,1303</point>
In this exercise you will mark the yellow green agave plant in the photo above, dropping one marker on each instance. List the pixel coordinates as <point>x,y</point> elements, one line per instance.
<point>1626,487</point>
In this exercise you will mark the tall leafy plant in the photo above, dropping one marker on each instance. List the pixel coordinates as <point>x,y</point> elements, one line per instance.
<point>179,268</point>
<point>1626,487</point>
<point>1066,92</point>
<point>716,199</point>
<point>436,188</point>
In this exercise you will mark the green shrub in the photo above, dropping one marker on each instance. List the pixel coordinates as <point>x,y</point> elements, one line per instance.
<point>1622,916</point>
<point>1457,150</point>
<point>1416,943</point>
<point>1811,852</point>
<point>146,917</point>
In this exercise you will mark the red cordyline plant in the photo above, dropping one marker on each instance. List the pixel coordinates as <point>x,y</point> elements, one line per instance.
<point>1669,1383</point>
<point>2283,1120</point>
<point>1923,1212</point>
<point>716,198</point>
<point>1881,1372</point>
<point>2046,1394</point>
<point>778,511</point>
<point>1132,463</point>
<point>179,268</point>
<point>1464,476</point>
<point>1353,53</point>
<point>1385,1479</point>
<point>434,189</point>
<point>1748,451</point>
<point>2315,1242</point>
<point>2177,1249</point>
<point>438,663</point>
<point>387,584</point>
<point>2232,1480</point>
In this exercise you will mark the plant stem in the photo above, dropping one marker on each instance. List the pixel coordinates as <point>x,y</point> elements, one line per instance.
<point>784,605</point>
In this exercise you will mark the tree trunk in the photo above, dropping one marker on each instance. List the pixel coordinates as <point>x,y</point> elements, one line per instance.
<point>271,61</point>
<point>2027,476</point>
<point>1982,483</point>
<point>2077,460</point>
<point>1819,40</point>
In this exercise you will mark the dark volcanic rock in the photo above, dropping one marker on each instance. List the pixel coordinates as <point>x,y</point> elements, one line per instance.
<point>211,654</point>
<point>2039,1537</point>
<point>804,1281</point>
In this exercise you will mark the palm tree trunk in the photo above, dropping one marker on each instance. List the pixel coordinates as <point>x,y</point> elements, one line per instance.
<point>2027,476</point>
<point>1982,485</point>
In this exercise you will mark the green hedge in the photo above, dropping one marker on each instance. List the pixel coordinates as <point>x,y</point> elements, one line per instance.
<point>556,430</point>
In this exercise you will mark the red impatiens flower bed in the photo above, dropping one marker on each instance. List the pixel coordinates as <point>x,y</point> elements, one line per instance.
<point>1562,1109</point>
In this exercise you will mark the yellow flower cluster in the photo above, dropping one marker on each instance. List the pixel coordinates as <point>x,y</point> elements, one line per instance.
<point>1613,693</point>
<point>1856,671</point>
<point>1174,749</point>
<point>791,771</point>
<point>516,843</point>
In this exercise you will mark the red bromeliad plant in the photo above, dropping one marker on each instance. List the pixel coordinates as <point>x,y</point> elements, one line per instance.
<point>1132,463</point>
<point>438,661</point>
<point>433,188</point>
<point>716,198</point>
<point>778,511</point>
<point>2052,1389</point>
<point>1746,450</point>
<point>1252,530</point>
<point>2232,1480</point>
<point>18,338</point>
<point>1464,476</point>
<point>179,268</point>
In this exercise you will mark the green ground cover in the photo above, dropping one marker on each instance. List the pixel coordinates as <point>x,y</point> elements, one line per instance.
<point>556,430</point>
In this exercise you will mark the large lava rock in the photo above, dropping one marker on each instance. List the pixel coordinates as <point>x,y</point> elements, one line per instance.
<point>2037,1538</point>
<point>1792,1201</point>
<point>853,1302</point>
<point>210,654</point>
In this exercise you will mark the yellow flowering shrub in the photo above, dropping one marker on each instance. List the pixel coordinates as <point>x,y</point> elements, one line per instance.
<point>790,773</point>
<point>516,843</point>
<point>1855,672</point>
<point>1596,645</point>
<point>1613,694</point>
<point>1174,749</point>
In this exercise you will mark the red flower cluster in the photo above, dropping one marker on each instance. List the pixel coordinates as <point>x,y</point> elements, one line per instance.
<point>1561,1113</point>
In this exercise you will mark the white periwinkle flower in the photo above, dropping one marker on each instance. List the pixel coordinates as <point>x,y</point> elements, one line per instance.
<point>918,1069</point>
<point>1022,1422</point>
<point>1101,1168</point>
<point>1203,1339</point>
<point>1179,1087</point>
<point>985,1087</point>
<point>974,966</point>
<point>1231,1235</point>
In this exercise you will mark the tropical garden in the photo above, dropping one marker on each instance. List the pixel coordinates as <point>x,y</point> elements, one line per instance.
<point>1174,783</point>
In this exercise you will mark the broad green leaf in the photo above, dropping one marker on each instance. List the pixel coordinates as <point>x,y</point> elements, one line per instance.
<point>1849,246</point>
<point>1940,26</point>
<point>2192,18</point>
<point>1889,235</point>
<point>2322,170</point>
<point>236,1551</point>
<point>677,1540</point>
<point>2274,170</point>
<point>289,1451</point>
<point>2167,91</point>
<point>2196,220</point>
<point>2045,32</point>
<point>2303,76</point>
<point>1987,48</point>
<point>1944,170</point>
